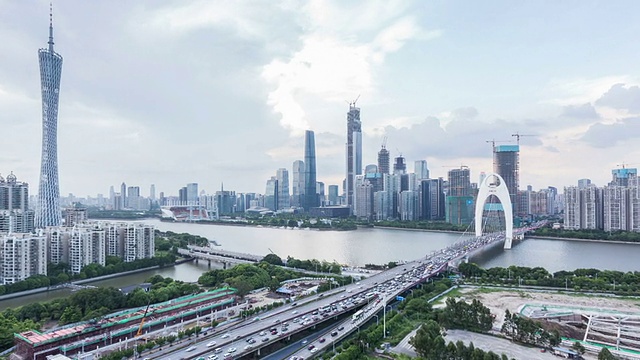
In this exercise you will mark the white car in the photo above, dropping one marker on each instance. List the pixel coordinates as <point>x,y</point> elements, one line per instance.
<point>226,335</point>
<point>213,343</point>
<point>232,350</point>
<point>190,349</point>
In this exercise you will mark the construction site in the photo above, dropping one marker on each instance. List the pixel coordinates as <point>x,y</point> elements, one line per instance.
<point>595,321</point>
<point>125,324</point>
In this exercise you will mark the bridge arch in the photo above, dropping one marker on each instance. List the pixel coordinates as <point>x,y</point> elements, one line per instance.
<point>487,188</point>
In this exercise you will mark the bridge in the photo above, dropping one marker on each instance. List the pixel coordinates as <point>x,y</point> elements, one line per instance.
<point>371,295</point>
<point>218,255</point>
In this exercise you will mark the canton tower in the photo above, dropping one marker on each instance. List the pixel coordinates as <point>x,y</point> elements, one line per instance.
<point>48,206</point>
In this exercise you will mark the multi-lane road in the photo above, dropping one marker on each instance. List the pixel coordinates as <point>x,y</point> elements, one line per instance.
<point>370,295</point>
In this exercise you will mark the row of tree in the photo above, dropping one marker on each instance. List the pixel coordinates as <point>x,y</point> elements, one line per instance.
<point>627,236</point>
<point>527,331</point>
<point>579,279</point>
<point>462,315</point>
<point>422,225</point>
<point>61,273</point>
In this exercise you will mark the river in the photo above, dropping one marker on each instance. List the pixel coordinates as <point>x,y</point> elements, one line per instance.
<point>371,246</point>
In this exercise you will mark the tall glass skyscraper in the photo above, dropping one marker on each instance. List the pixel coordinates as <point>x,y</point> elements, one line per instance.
<point>353,151</point>
<point>310,197</point>
<point>48,206</point>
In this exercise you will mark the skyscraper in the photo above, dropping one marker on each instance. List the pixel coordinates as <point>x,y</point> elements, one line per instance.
<point>353,151</point>
<point>298,183</point>
<point>283,189</point>
<point>506,162</point>
<point>399,166</point>
<point>421,170</point>
<point>383,160</point>
<point>192,193</point>
<point>48,206</point>
<point>310,197</point>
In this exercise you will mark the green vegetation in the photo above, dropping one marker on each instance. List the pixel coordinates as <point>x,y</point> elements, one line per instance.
<point>592,280</point>
<point>527,331</point>
<point>314,265</point>
<point>605,354</point>
<point>460,315</point>
<point>247,277</point>
<point>422,225</point>
<point>429,343</point>
<point>627,236</point>
<point>170,241</point>
<point>85,305</point>
<point>94,213</point>
<point>60,273</point>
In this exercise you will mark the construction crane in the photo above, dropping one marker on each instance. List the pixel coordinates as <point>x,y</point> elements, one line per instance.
<point>455,166</point>
<point>384,142</point>
<point>624,165</point>
<point>144,316</point>
<point>518,136</point>
<point>353,103</point>
<point>494,141</point>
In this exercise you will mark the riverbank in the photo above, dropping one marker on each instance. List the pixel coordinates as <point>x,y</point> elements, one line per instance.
<point>423,230</point>
<point>85,281</point>
<point>581,240</point>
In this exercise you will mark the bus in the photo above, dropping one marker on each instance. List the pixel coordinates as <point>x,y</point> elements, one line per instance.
<point>357,315</point>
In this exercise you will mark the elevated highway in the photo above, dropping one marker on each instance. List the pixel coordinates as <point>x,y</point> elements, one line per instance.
<point>250,337</point>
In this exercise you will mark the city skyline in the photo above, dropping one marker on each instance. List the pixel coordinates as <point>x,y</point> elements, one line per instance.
<point>459,95</point>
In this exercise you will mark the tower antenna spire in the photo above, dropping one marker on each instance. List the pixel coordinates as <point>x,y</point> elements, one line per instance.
<point>50,27</point>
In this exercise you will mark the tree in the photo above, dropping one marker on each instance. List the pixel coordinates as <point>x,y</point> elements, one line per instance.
<point>605,354</point>
<point>577,346</point>
<point>273,259</point>
<point>428,341</point>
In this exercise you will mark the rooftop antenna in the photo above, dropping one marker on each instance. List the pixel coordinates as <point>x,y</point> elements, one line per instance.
<point>50,27</point>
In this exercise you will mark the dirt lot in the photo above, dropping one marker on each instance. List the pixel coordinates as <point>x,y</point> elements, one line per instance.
<point>500,300</point>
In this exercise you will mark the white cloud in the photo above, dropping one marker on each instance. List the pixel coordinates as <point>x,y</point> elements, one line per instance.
<point>338,59</point>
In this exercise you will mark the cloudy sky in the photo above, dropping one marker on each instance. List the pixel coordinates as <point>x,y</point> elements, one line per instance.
<point>170,92</point>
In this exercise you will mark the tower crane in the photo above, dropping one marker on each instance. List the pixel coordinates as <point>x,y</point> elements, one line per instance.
<point>518,136</point>
<point>384,142</point>
<point>624,165</point>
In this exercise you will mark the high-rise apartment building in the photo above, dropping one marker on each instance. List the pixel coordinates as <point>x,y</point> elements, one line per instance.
<point>459,200</point>
<point>624,176</point>
<point>615,207</point>
<point>15,215</point>
<point>86,246</point>
<point>409,205</point>
<point>75,215</point>
<point>506,159</point>
<point>139,242</point>
<point>284,198</point>
<point>353,151</point>
<point>310,195</point>
<point>363,208</point>
<point>22,256</point>
<point>298,183</point>
<point>433,201</point>
<point>48,205</point>
<point>583,183</point>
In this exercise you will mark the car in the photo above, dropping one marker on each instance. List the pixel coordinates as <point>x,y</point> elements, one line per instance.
<point>190,349</point>
<point>232,350</point>
<point>213,343</point>
<point>311,347</point>
<point>341,328</point>
<point>251,341</point>
<point>276,321</point>
<point>322,340</point>
<point>294,312</point>
<point>200,358</point>
<point>313,351</point>
<point>218,350</point>
<point>248,347</point>
<point>262,333</point>
<point>226,335</point>
<point>265,339</point>
<point>213,357</point>
<point>334,333</point>
<point>294,304</point>
<point>304,342</point>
